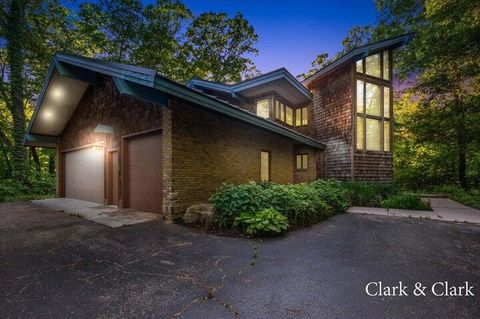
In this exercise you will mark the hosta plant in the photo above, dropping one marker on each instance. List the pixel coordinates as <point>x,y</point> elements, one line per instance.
<point>267,222</point>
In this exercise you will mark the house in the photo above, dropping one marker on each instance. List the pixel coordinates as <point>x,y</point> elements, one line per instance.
<point>130,137</point>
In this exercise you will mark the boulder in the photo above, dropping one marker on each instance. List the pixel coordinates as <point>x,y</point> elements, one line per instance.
<point>201,214</point>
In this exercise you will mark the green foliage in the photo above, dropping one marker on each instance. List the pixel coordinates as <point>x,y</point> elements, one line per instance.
<point>368,194</point>
<point>467,197</point>
<point>40,187</point>
<point>302,204</point>
<point>437,139</point>
<point>266,222</point>
<point>405,201</point>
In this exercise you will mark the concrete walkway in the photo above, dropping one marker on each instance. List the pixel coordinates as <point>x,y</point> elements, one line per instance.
<point>443,209</point>
<point>110,216</point>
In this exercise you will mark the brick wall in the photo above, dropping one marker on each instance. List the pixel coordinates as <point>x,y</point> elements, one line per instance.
<point>102,104</point>
<point>310,174</point>
<point>209,150</point>
<point>333,122</point>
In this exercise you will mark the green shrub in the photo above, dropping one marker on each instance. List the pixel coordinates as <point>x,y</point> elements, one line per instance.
<point>470,198</point>
<point>334,193</point>
<point>302,204</point>
<point>266,222</point>
<point>40,187</point>
<point>405,201</point>
<point>369,194</point>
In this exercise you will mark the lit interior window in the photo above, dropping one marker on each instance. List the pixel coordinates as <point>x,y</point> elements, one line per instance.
<point>301,161</point>
<point>263,108</point>
<point>386,65</point>
<point>264,166</point>
<point>372,65</point>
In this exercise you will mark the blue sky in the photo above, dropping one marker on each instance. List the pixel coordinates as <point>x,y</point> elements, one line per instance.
<point>292,33</point>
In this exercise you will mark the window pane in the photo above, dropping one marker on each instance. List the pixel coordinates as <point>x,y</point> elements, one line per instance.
<point>304,116</point>
<point>277,110</point>
<point>289,118</point>
<point>360,96</point>
<point>304,161</point>
<point>360,135</point>
<point>372,99</point>
<point>386,66</point>
<point>386,102</point>
<point>282,112</point>
<point>372,65</point>
<point>263,108</point>
<point>298,117</point>
<point>298,161</point>
<point>360,66</point>
<point>386,136</point>
<point>264,166</point>
<point>373,134</point>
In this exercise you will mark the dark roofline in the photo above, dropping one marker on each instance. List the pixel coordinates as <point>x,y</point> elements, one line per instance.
<point>248,83</point>
<point>361,51</point>
<point>132,79</point>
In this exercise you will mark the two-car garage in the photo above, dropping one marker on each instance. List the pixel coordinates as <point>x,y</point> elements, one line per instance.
<point>88,173</point>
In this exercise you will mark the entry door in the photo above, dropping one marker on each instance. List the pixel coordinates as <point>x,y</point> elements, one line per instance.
<point>144,172</point>
<point>84,174</point>
<point>112,177</point>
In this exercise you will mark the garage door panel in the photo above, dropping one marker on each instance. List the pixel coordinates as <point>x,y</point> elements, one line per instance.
<point>84,175</point>
<point>144,167</point>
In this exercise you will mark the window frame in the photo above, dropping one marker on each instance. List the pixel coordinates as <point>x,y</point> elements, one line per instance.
<point>301,162</point>
<point>382,83</point>
<point>282,117</point>
<point>269,172</point>
<point>261,98</point>
<point>300,110</point>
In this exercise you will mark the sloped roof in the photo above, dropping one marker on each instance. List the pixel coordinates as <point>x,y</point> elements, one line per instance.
<point>144,84</point>
<point>357,53</point>
<point>279,79</point>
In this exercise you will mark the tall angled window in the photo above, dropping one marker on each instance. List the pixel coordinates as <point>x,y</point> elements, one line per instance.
<point>373,106</point>
<point>263,108</point>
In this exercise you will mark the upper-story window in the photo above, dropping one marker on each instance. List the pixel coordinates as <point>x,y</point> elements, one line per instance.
<point>283,113</point>
<point>301,116</point>
<point>373,116</point>
<point>376,65</point>
<point>263,108</point>
<point>373,102</point>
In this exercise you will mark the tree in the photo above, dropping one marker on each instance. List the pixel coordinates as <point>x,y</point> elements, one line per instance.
<point>320,61</point>
<point>444,59</point>
<point>14,25</point>
<point>219,48</point>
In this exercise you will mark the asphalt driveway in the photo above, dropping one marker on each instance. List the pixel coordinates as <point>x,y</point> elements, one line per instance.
<point>56,265</point>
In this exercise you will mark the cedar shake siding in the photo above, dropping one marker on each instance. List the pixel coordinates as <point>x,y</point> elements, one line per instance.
<point>333,122</point>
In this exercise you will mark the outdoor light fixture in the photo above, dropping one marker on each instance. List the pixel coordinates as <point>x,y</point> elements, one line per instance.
<point>47,114</point>
<point>102,128</point>
<point>57,93</point>
<point>98,146</point>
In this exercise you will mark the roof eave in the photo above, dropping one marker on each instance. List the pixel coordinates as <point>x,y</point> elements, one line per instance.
<point>358,52</point>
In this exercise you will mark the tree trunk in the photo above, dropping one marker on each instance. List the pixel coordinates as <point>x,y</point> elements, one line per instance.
<point>36,160</point>
<point>16,60</point>
<point>51,164</point>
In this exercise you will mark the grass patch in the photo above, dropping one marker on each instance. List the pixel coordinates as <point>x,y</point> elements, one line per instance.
<point>405,201</point>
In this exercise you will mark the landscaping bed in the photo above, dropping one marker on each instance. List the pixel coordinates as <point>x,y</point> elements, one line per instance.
<point>270,209</point>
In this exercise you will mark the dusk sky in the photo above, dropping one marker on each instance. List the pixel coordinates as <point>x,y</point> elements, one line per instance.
<point>292,33</point>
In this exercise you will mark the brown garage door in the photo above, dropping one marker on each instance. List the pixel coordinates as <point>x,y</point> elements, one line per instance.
<point>84,174</point>
<point>144,172</point>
